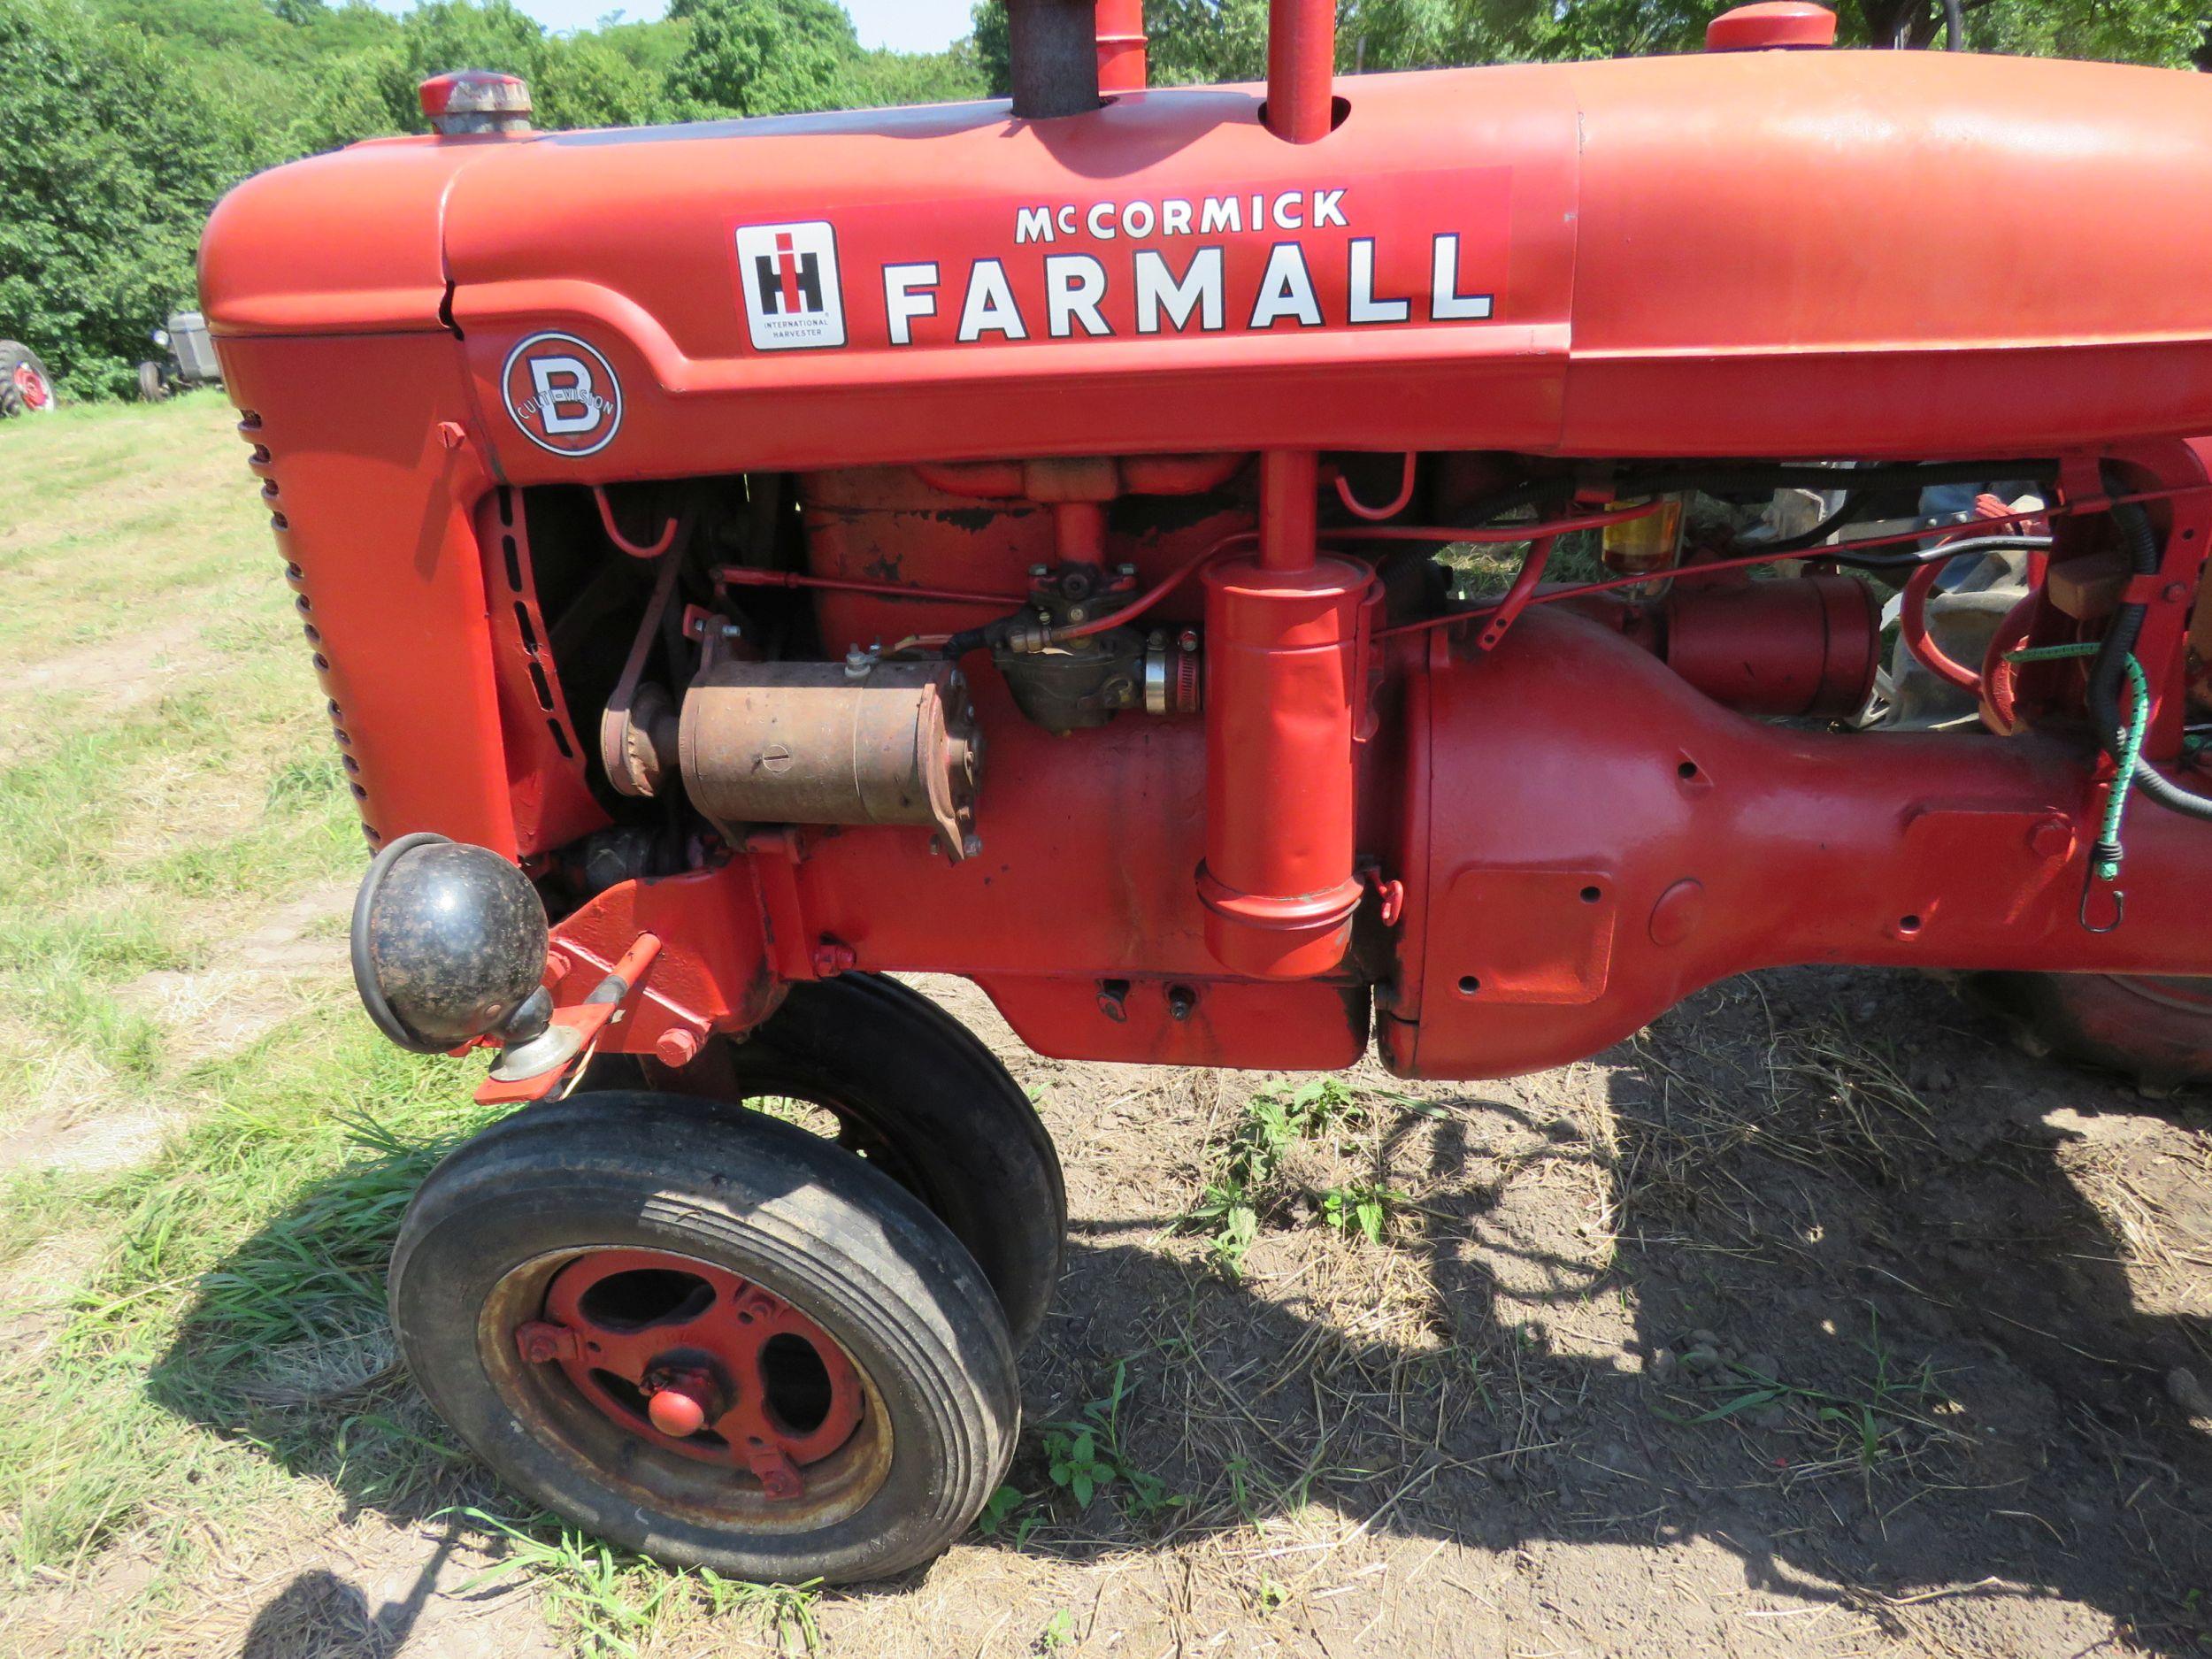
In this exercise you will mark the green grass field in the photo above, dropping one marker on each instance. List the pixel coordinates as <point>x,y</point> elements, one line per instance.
<point>201,1165</point>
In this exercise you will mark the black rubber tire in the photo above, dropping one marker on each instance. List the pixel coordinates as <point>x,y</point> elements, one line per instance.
<point>784,1209</point>
<point>2156,1031</point>
<point>153,384</point>
<point>13,354</point>
<point>937,1111</point>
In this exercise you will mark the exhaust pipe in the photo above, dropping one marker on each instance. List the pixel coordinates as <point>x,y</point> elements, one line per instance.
<point>1300,69</point>
<point>1121,66</point>
<point>1053,52</point>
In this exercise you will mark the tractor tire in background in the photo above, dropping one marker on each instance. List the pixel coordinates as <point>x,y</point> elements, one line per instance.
<point>902,1085</point>
<point>153,384</point>
<point>26,388</point>
<point>2155,1030</point>
<point>707,1337</point>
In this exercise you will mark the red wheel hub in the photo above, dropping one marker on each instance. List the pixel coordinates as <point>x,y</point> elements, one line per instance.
<point>32,386</point>
<point>701,1362</point>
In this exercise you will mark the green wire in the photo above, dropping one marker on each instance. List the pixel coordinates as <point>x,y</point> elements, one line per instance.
<point>2107,854</point>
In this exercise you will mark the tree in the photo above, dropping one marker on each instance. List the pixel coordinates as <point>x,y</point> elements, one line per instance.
<point>113,155</point>
<point>881,80</point>
<point>585,82</point>
<point>762,57</point>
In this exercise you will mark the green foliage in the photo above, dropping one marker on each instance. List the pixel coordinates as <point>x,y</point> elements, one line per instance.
<point>1089,1453</point>
<point>112,156</point>
<point>1361,1207</point>
<point>1249,1182</point>
<point>763,56</point>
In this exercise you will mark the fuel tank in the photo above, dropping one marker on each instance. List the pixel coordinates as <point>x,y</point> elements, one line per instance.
<point>1771,252</point>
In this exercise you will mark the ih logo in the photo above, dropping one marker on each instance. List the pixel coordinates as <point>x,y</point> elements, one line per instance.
<point>789,274</point>
<point>563,395</point>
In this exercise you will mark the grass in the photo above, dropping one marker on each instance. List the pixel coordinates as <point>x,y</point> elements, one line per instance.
<point>217,1374</point>
<point>610,1605</point>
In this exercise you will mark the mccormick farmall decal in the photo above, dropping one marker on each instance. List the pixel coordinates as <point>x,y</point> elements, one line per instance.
<point>1431,250</point>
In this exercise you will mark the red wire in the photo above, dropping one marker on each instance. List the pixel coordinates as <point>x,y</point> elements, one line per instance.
<point>1912,627</point>
<point>1161,590</point>
<point>1979,526</point>
<point>615,535</point>
<point>744,576</point>
<point>1360,509</point>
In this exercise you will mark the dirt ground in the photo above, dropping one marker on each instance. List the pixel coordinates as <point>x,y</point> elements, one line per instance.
<point>1535,1421</point>
<point>1816,1321</point>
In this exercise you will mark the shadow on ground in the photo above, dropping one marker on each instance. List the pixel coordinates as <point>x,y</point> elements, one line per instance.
<point>1973,1403</point>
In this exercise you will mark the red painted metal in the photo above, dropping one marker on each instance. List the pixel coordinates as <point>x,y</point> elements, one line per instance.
<point>652,549</point>
<point>698,1347</point>
<point>1285,632</point>
<point>1300,69</point>
<point>1768,24</point>
<point>1716,835</point>
<point>1122,59</point>
<point>1396,504</point>
<point>739,576</point>
<point>1071,335</point>
<point>1804,648</point>
<point>472,89</point>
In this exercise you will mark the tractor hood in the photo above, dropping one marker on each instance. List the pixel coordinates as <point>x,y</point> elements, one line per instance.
<point>1769,252</point>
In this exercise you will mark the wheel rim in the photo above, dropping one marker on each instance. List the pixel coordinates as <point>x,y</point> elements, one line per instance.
<point>699,1391</point>
<point>31,385</point>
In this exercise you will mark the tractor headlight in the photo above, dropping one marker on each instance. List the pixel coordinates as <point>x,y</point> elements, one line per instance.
<point>449,942</point>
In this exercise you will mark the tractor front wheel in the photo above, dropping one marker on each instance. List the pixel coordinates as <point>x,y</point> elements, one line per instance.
<point>707,1337</point>
<point>900,1085</point>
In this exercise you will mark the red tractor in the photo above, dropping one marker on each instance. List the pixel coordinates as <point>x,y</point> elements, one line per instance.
<point>747,559</point>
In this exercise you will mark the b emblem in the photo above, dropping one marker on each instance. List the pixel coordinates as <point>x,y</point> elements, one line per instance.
<point>789,275</point>
<point>563,395</point>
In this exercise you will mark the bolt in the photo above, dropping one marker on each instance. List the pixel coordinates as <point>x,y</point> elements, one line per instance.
<point>677,1047</point>
<point>1181,1000</point>
<point>2174,592</point>
<point>2051,837</point>
<point>1038,573</point>
<point>1078,613</point>
<point>780,1483</point>
<point>556,966</point>
<point>832,958</point>
<point>972,845</point>
<point>1189,640</point>
<point>540,1343</point>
